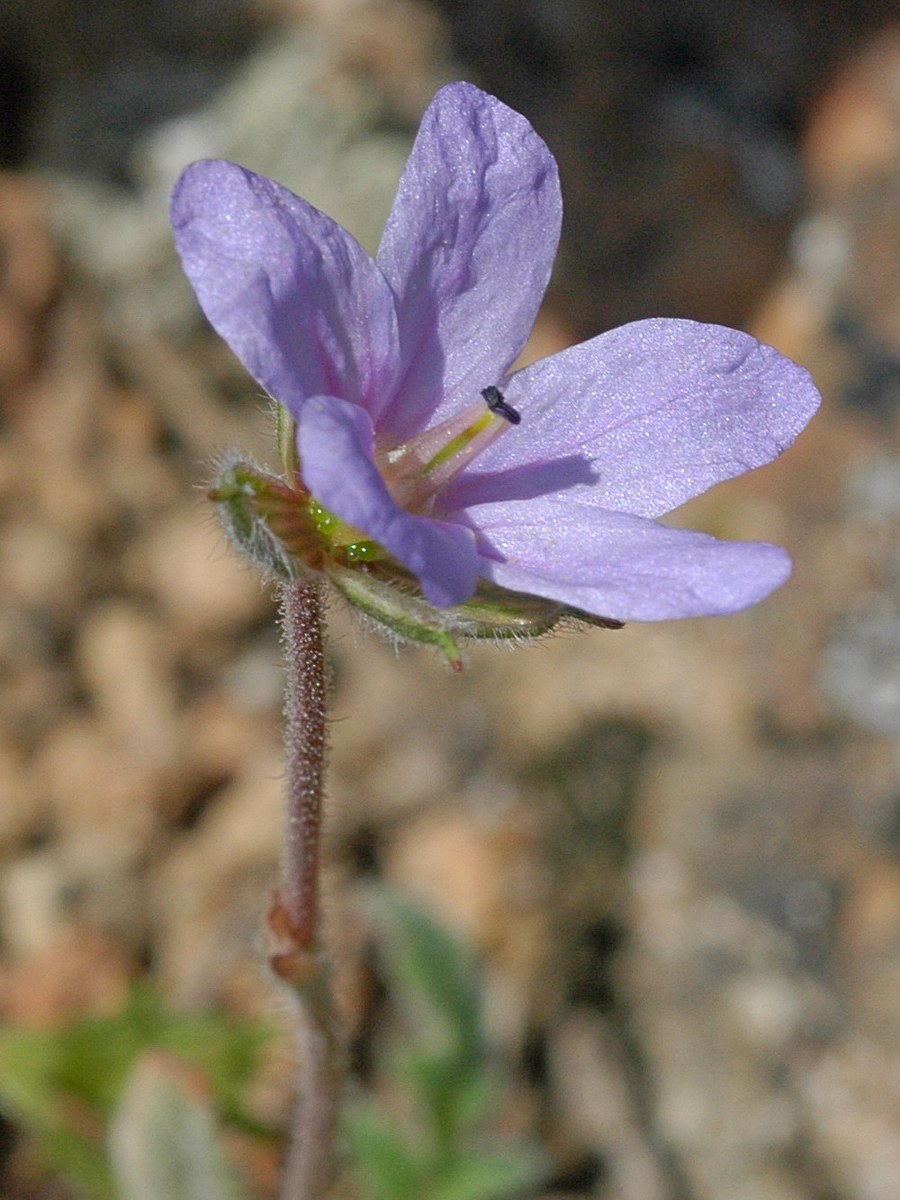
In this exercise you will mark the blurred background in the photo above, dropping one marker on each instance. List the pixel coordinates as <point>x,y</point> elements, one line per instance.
<point>673,849</point>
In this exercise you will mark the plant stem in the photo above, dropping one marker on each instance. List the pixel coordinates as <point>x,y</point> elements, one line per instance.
<point>311,1165</point>
<point>304,656</point>
<point>293,922</point>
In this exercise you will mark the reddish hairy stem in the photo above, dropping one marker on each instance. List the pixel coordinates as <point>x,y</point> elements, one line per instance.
<point>293,920</point>
<point>301,631</point>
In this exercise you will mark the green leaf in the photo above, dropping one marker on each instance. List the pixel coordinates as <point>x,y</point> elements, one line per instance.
<point>61,1086</point>
<point>70,1154</point>
<point>385,1166</point>
<point>67,1131</point>
<point>490,1176</point>
<point>163,1143</point>
<point>442,1072</point>
<point>431,973</point>
<point>450,1096</point>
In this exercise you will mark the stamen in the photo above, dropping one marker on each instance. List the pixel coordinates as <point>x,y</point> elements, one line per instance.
<point>461,440</point>
<point>493,398</point>
<point>417,470</point>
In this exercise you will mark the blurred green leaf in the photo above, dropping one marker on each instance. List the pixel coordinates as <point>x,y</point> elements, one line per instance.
<point>80,1160</point>
<point>61,1086</point>
<point>384,1163</point>
<point>491,1176</point>
<point>455,1095</point>
<point>163,1141</point>
<point>441,1153</point>
<point>66,1130</point>
<point>431,974</point>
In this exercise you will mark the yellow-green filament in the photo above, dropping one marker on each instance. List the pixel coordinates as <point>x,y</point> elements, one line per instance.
<point>458,443</point>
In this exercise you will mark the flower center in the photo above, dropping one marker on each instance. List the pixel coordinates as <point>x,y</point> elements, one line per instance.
<point>418,469</point>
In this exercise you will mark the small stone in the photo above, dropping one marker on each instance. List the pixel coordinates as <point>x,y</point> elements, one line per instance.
<point>126,660</point>
<point>201,583</point>
<point>79,973</point>
<point>209,892</point>
<point>96,789</point>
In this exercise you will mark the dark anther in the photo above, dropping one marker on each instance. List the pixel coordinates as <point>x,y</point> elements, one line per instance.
<point>493,398</point>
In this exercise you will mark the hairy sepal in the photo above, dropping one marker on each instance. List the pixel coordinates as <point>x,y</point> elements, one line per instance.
<point>389,599</point>
<point>268,521</point>
<point>274,525</point>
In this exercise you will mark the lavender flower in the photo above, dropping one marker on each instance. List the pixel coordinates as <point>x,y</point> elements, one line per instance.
<point>419,452</point>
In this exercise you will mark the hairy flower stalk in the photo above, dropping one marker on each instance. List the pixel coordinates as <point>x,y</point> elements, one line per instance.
<point>293,924</point>
<point>301,629</point>
<point>442,493</point>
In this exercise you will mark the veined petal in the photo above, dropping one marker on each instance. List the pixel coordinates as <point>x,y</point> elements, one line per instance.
<point>295,296</point>
<point>468,249</point>
<point>335,440</point>
<point>655,413</point>
<point>620,566</point>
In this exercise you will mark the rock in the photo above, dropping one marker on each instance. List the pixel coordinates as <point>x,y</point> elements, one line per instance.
<point>187,565</point>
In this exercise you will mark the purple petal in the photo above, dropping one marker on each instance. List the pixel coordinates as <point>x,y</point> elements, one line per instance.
<point>335,441</point>
<point>468,250</point>
<point>620,566</point>
<point>295,296</point>
<point>655,412</point>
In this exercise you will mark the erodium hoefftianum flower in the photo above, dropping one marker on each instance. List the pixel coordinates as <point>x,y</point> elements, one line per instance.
<point>442,494</point>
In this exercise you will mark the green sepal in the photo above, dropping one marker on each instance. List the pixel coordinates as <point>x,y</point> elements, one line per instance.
<point>287,534</point>
<point>268,521</point>
<point>286,437</point>
<point>396,611</point>
<point>389,597</point>
<point>494,612</point>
